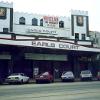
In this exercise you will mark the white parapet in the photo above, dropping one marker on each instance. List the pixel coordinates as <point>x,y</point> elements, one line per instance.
<point>6,4</point>
<point>79,12</point>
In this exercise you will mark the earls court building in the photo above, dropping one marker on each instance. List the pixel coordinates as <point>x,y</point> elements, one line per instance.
<point>33,44</point>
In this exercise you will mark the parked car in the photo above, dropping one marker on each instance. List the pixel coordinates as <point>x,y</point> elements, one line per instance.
<point>98,76</point>
<point>44,77</point>
<point>86,75</point>
<point>17,78</point>
<point>67,76</point>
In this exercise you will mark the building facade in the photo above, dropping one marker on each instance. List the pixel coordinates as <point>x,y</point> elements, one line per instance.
<point>95,37</point>
<point>33,44</point>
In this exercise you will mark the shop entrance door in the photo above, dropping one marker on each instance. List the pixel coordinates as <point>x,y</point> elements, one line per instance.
<point>57,71</point>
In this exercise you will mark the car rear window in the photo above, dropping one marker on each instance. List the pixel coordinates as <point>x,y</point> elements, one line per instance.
<point>99,73</point>
<point>86,72</point>
<point>46,73</point>
<point>14,74</point>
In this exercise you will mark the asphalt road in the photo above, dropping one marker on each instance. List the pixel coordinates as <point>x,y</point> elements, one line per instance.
<point>55,91</point>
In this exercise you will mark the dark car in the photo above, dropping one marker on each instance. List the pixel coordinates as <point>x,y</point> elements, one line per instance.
<point>44,77</point>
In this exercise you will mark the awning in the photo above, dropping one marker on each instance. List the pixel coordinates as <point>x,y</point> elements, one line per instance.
<point>48,44</point>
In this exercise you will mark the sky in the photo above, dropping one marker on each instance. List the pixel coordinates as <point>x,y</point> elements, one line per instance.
<point>60,8</point>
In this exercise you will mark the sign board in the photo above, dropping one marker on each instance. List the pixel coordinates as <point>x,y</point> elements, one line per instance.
<point>49,44</point>
<point>56,45</point>
<point>50,21</point>
<point>45,31</point>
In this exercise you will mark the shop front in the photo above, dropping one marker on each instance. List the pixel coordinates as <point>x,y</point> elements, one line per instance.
<point>35,57</point>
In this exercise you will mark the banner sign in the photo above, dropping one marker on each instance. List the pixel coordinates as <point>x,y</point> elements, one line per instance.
<point>45,31</point>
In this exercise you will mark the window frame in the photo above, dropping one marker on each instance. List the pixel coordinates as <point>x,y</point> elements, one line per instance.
<point>61,24</point>
<point>83,36</point>
<point>35,22</point>
<point>22,21</point>
<point>76,34</point>
<point>41,22</point>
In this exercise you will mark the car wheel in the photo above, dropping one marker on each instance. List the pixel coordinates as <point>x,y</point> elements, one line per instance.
<point>73,80</point>
<point>63,80</point>
<point>37,81</point>
<point>50,81</point>
<point>21,82</point>
<point>28,81</point>
<point>10,83</point>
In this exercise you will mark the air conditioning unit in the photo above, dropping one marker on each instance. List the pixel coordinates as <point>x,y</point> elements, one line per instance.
<point>5,30</point>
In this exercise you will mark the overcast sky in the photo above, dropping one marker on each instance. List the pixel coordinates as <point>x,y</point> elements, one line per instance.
<point>60,8</point>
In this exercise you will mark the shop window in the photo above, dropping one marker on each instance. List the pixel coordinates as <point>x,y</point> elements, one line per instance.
<point>22,20</point>
<point>83,37</point>
<point>61,24</point>
<point>34,22</point>
<point>41,22</point>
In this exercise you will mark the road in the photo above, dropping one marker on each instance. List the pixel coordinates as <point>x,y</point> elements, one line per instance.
<point>54,91</point>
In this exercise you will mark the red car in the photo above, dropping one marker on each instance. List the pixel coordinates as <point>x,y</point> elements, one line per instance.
<point>44,77</point>
<point>98,76</point>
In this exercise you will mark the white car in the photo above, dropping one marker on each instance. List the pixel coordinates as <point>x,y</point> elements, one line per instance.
<point>67,76</point>
<point>17,78</point>
<point>86,75</point>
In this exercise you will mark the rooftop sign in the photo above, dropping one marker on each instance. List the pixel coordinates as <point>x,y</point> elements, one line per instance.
<point>50,21</point>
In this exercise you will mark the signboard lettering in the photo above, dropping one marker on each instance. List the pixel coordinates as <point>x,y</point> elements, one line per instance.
<point>41,31</point>
<point>55,45</point>
<point>43,44</point>
<point>66,46</point>
<point>50,21</point>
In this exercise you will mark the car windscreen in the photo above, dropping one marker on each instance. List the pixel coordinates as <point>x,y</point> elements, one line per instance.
<point>67,73</point>
<point>46,73</point>
<point>14,74</point>
<point>85,72</point>
<point>99,73</point>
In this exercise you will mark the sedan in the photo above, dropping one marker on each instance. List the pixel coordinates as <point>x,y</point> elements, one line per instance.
<point>86,75</point>
<point>44,77</point>
<point>17,78</point>
<point>67,76</point>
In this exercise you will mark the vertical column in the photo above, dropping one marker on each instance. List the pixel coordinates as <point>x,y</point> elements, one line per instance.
<point>56,66</point>
<point>10,66</point>
<point>76,67</point>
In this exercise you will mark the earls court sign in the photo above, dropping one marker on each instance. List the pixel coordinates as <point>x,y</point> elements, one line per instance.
<point>54,45</point>
<point>49,44</point>
<point>61,45</point>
